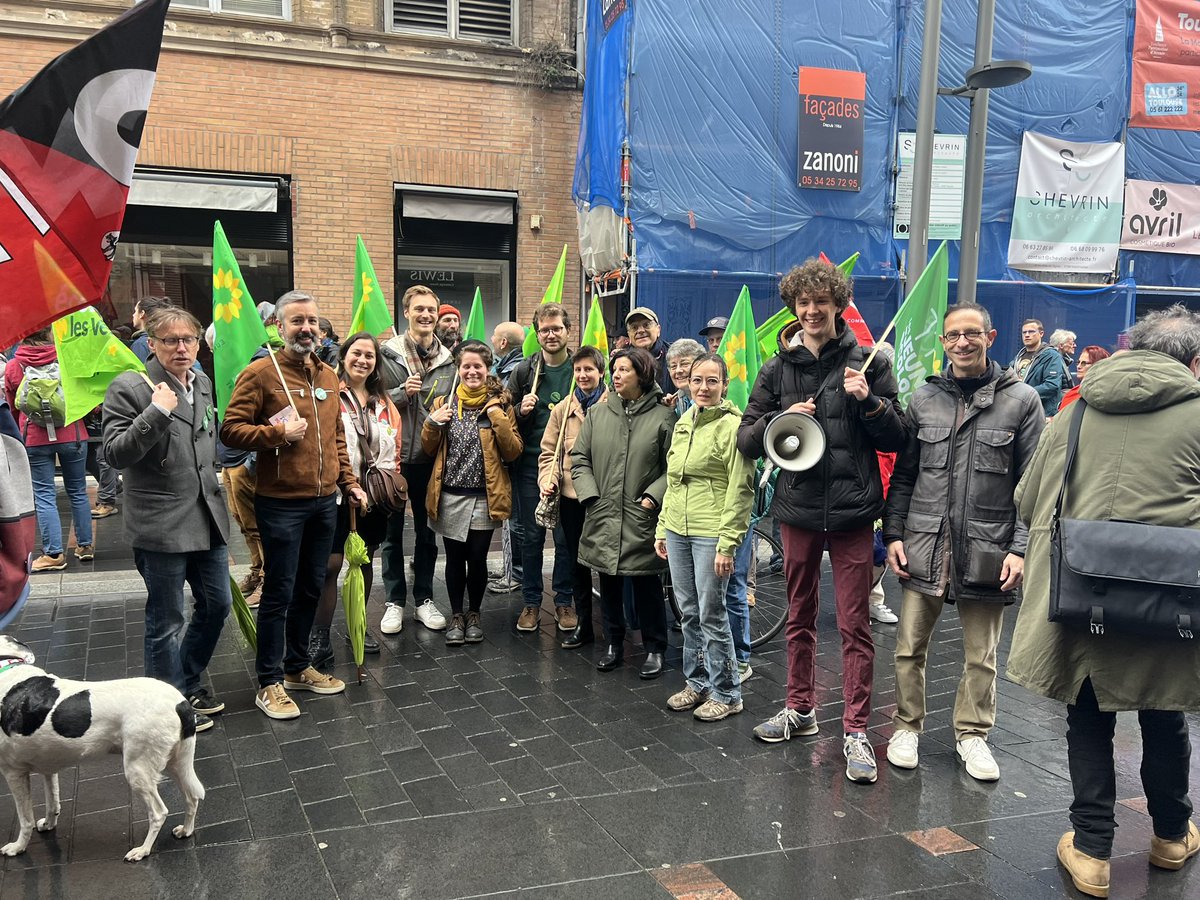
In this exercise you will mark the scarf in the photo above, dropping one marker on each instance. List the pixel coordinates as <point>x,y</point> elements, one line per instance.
<point>586,401</point>
<point>472,399</point>
<point>417,356</point>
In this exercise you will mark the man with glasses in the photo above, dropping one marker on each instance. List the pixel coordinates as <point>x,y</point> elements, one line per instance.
<point>952,531</point>
<point>645,332</point>
<point>1040,366</point>
<point>538,384</point>
<point>164,438</point>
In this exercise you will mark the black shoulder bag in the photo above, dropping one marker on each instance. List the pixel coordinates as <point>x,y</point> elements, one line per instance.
<point>1128,577</point>
<point>385,488</point>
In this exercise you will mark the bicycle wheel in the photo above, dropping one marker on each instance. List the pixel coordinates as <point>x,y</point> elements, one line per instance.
<point>767,586</point>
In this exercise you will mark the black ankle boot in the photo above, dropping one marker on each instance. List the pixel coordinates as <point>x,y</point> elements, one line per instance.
<point>653,666</point>
<point>578,637</point>
<point>613,657</point>
<point>320,652</point>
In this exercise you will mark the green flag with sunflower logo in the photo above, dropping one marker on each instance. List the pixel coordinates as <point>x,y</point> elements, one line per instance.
<point>237,330</point>
<point>740,351</point>
<point>89,358</point>
<point>371,313</point>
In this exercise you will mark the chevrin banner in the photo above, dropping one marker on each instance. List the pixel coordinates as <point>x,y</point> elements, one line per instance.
<point>1165,91</point>
<point>1161,218</point>
<point>1067,212</point>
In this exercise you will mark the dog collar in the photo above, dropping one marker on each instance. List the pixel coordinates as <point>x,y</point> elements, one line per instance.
<point>10,662</point>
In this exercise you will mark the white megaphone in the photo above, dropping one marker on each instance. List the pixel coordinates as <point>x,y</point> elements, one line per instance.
<point>794,441</point>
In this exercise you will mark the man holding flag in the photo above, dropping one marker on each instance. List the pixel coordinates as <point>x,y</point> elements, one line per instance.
<point>160,429</point>
<point>821,371</point>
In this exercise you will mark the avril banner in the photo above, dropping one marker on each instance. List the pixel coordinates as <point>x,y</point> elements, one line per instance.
<point>1166,65</point>
<point>1067,213</point>
<point>830,136</point>
<point>1161,218</point>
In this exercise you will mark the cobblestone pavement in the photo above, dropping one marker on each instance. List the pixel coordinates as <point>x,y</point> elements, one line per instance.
<point>514,766</point>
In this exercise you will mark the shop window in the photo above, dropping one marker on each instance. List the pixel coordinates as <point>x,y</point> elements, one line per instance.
<point>455,280</point>
<point>271,9</point>
<point>477,20</point>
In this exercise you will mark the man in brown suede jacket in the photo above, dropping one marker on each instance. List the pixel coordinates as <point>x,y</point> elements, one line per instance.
<point>302,463</point>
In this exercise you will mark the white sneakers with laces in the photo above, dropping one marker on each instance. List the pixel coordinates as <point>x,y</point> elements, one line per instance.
<point>902,749</point>
<point>393,619</point>
<point>428,615</point>
<point>981,765</point>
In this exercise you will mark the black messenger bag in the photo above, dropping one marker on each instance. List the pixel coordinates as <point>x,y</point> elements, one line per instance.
<point>1125,577</point>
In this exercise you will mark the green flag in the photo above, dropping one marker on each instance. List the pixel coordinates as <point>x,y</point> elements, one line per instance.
<point>89,358</point>
<point>595,334</point>
<point>554,292</point>
<point>238,331</point>
<point>475,329</point>
<point>371,311</point>
<point>918,325</point>
<point>740,350</point>
<point>768,331</point>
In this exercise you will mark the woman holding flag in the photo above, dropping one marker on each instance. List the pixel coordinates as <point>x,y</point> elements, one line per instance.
<point>554,475</point>
<point>471,435</point>
<point>705,517</point>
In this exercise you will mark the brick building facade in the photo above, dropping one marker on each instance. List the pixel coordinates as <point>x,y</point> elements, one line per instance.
<point>451,155</point>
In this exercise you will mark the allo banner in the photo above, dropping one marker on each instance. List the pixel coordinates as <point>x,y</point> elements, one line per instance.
<point>1067,213</point>
<point>1161,218</point>
<point>1166,65</point>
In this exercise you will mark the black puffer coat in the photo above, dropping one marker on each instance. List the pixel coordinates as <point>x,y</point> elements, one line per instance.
<point>844,490</point>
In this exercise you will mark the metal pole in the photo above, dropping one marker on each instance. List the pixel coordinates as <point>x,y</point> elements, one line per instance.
<point>918,226</point>
<point>968,260</point>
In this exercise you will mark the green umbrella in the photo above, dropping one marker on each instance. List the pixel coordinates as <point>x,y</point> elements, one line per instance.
<point>244,616</point>
<point>354,600</point>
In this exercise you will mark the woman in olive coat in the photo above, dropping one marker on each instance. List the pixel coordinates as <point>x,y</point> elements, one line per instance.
<point>619,470</point>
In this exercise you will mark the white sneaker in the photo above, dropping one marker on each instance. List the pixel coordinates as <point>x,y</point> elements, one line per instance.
<point>902,749</point>
<point>745,670</point>
<point>393,619</point>
<point>428,615</point>
<point>880,613</point>
<point>981,765</point>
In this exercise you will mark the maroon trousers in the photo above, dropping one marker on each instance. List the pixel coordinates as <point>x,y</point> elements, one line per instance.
<point>850,552</point>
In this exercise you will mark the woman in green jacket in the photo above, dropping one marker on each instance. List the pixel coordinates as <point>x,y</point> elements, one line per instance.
<point>619,470</point>
<point>705,517</point>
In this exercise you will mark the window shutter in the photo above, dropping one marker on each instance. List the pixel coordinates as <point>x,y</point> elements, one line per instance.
<point>420,15</point>
<point>489,20</point>
<point>270,8</point>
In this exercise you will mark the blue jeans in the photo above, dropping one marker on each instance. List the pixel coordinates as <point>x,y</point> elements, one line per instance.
<point>533,543</point>
<point>735,598</point>
<point>708,657</point>
<point>174,655</point>
<point>297,538</point>
<point>73,458</point>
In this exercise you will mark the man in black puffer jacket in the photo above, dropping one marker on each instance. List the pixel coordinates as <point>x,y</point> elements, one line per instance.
<point>834,504</point>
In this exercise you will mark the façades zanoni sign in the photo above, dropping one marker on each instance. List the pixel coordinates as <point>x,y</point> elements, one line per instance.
<point>830,133</point>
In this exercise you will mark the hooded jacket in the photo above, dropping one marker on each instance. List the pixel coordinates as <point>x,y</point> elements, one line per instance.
<point>619,457</point>
<point>844,490</point>
<point>1138,459</point>
<point>951,496</point>
<point>437,382</point>
<point>710,484</point>
<point>33,434</point>
<point>501,445</point>
<point>1047,374</point>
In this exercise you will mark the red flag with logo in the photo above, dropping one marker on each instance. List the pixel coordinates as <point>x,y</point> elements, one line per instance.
<point>854,318</point>
<point>68,142</point>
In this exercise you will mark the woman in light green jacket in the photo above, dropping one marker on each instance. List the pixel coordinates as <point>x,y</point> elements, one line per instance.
<point>705,517</point>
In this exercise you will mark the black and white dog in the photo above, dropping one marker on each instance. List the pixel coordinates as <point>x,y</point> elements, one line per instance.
<point>48,724</point>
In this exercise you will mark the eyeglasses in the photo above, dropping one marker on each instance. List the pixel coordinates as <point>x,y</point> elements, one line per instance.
<point>951,337</point>
<point>188,340</point>
<point>1082,364</point>
<point>552,329</point>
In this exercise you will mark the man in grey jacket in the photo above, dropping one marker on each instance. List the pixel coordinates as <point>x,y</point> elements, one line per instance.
<point>164,439</point>
<point>952,531</point>
<point>416,370</point>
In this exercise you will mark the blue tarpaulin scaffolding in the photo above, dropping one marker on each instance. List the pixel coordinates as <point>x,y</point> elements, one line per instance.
<point>705,93</point>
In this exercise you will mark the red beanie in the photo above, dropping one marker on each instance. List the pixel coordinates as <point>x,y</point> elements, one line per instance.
<point>447,310</point>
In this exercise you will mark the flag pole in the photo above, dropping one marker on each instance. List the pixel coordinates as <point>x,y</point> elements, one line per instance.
<point>286,391</point>
<point>882,338</point>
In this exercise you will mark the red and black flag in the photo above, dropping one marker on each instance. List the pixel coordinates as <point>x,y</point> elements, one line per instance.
<point>68,142</point>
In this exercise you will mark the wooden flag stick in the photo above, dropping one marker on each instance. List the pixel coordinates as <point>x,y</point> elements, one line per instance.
<point>882,338</point>
<point>286,392</point>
